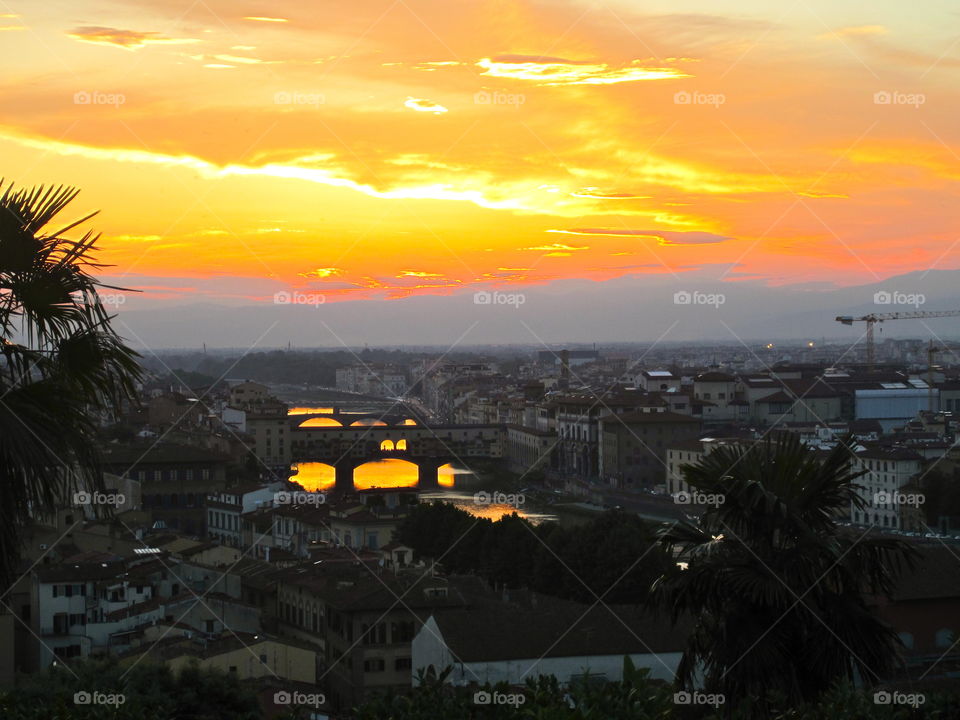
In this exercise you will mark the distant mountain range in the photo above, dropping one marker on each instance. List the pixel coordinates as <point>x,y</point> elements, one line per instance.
<point>639,308</point>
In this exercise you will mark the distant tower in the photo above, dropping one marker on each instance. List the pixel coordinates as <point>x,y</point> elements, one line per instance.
<point>564,369</point>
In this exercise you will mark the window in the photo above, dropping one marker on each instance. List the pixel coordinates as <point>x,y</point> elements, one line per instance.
<point>401,631</point>
<point>403,664</point>
<point>373,665</point>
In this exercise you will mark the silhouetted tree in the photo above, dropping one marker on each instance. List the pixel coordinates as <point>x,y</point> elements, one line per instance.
<point>61,363</point>
<point>775,587</point>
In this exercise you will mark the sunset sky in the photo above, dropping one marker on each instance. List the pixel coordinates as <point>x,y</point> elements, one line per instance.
<point>368,149</point>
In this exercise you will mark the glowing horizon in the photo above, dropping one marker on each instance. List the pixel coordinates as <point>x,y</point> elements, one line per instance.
<point>237,154</point>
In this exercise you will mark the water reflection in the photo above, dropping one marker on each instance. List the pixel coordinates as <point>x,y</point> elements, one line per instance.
<point>314,476</point>
<point>389,473</point>
<point>490,511</point>
<point>396,473</point>
<point>308,410</point>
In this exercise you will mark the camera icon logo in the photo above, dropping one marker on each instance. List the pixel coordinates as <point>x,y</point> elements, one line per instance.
<point>682,297</point>
<point>482,298</point>
<point>682,698</point>
<point>482,697</point>
<point>882,297</point>
<point>482,98</point>
<point>282,697</point>
<point>882,498</point>
<point>682,498</point>
<point>682,98</point>
<point>482,498</point>
<point>883,97</point>
<point>82,98</point>
<point>882,698</point>
<point>81,498</point>
<point>82,698</point>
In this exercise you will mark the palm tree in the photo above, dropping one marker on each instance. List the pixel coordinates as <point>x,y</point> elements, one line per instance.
<point>774,586</point>
<point>62,364</point>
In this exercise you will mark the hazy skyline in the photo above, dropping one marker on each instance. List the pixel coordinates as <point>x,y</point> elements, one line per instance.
<point>578,153</point>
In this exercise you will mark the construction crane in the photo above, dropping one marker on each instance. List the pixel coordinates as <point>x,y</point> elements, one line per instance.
<point>873,318</point>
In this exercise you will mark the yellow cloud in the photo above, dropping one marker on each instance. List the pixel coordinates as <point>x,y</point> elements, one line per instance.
<point>421,105</point>
<point>321,273</point>
<point>419,274</point>
<point>559,71</point>
<point>557,246</point>
<point>126,39</point>
<point>260,18</point>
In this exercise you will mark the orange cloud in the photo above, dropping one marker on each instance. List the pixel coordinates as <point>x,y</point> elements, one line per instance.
<point>666,237</point>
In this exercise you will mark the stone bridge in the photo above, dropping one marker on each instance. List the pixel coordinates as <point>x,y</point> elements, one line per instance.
<point>346,448</point>
<point>346,419</point>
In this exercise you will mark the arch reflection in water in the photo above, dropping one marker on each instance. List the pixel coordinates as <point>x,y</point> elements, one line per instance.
<point>367,422</point>
<point>391,472</point>
<point>409,421</point>
<point>314,476</point>
<point>446,474</point>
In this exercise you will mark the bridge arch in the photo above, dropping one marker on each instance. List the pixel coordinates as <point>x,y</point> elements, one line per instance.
<point>320,422</point>
<point>387,445</point>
